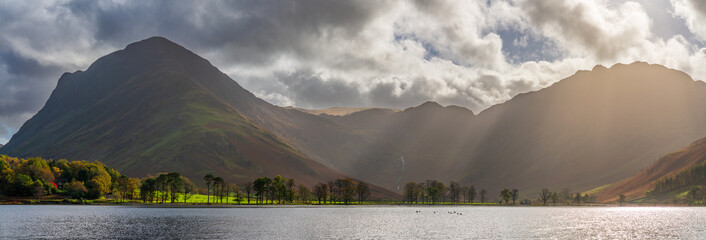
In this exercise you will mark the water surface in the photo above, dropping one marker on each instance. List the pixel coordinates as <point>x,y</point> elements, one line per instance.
<point>351,222</point>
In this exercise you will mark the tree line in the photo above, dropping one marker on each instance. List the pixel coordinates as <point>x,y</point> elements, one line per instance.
<point>433,192</point>
<point>37,177</point>
<point>282,190</point>
<point>564,196</point>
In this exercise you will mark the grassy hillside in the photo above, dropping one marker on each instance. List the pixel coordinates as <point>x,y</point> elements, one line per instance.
<point>671,165</point>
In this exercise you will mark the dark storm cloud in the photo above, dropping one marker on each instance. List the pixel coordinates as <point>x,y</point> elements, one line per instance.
<point>24,83</point>
<point>246,32</point>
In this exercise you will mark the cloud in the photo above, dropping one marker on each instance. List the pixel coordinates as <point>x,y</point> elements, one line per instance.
<point>317,53</point>
<point>694,14</point>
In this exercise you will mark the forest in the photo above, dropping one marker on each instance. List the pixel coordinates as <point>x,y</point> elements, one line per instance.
<point>683,187</point>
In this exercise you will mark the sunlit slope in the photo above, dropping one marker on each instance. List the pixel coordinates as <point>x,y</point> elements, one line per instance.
<point>144,110</point>
<point>669,165</point>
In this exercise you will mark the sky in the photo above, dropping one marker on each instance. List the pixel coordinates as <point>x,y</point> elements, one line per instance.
<point>357,53</point>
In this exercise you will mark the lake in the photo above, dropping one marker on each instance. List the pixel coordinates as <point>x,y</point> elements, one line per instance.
<point>351,222</point>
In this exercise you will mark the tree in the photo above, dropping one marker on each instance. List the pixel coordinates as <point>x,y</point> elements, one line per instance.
<point>123,182</point>
<point>544,195</point>
<point>235,189</point>
<point>248,190</point>
<point>555,197</point>
<point>363,191</point>
<point>218,188</point>
<point>38,189</point>
<point>454,190</point>
<point>483,192</point>
<point>515,195</point>
<point>279,188</point>
<point>505,195</point>
<point>565,196</point>
<point>410,192</point>
<point>577,198</point>
<point>471,194</point>
<point>321,192</point>
<point>290,189</point>
<point>76,189</point>
<point>162,187</point>
<point>347,188</point>
<point>304,194</point>
<point>174,184</point>
<point>261,186</point>
<point>209,179</point>
<point>188,188</point>
<point>693,192</point>
<point>621,199</point>
<point>147,190</point>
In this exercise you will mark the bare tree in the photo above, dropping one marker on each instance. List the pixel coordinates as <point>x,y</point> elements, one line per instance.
<point>471,194</point>
<point>483,192</point>
<point>454,190</point>
<point>544,195</point>
<point>363,191</point>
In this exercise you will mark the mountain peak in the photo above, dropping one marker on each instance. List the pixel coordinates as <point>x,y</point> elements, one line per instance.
<point>598,67</point>
<point>429,104</point>
<point>152,41</point>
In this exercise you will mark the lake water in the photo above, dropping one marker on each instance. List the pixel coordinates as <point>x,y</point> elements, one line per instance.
<point>351,222</point>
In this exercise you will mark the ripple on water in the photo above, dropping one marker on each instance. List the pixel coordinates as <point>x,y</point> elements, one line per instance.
<point>383,222</point>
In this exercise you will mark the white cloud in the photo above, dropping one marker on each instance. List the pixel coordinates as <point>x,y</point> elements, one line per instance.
<point>694,14</point>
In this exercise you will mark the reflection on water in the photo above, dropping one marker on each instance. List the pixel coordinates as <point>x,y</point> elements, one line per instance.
<point>110,222</point>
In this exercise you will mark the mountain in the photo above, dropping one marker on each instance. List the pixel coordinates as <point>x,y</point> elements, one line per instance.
<point>152,108</point>
<point>590,129</point>
<point>333,111</point>
<point>1,145</point>
<point>667,166</point>
<point>156,106</point>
